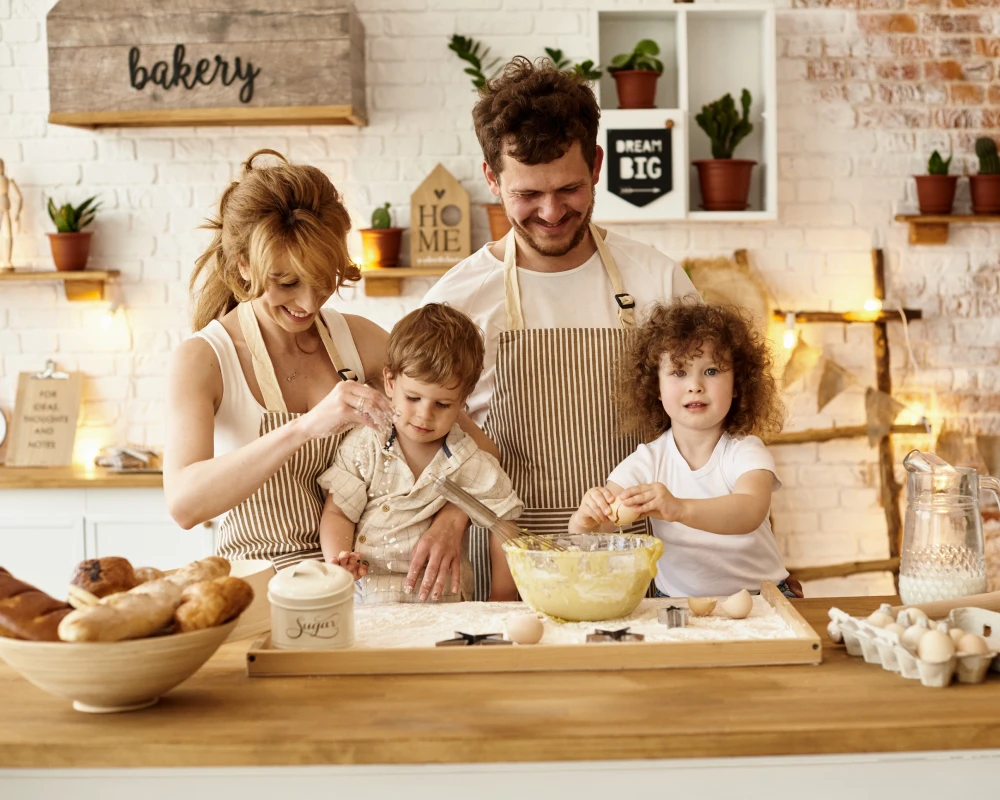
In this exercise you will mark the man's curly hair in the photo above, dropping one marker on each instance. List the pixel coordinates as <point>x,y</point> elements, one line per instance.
<point>681,330</point>
<point>534,113</point>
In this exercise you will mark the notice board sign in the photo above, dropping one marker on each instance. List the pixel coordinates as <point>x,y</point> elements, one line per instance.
<point>43,425</point>
<point>640,166</point>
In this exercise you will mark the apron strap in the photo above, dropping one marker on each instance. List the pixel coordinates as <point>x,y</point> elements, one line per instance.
<point>263,369</point>
<point>512,292</point>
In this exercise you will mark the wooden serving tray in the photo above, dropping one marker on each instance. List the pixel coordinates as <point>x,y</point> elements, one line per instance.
<point>804,648</point>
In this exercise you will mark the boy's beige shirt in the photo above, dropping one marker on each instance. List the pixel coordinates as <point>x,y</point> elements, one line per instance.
<point>391,511</point>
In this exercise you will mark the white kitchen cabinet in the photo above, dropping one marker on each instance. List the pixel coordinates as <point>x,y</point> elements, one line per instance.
<point>41,535</point>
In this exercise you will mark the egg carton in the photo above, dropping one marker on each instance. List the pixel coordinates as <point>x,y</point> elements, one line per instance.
<point>879,646</point>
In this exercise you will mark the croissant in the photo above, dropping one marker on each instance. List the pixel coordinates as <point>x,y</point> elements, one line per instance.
<point>210,603</point>
<point>206,569</point>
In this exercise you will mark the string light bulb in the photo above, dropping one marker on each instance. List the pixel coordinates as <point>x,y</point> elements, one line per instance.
<point>791,336</point>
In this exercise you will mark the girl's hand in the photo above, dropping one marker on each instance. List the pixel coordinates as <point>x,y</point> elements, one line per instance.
<point>348,404</point>
<point>653,500</point>
<point>351,562</point>
<point>594,510</point>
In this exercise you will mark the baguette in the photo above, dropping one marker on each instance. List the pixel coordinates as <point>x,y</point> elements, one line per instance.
<point>210,603</point>
<point>27,612</point>
<point>104,576</point>
<point>134,614</point>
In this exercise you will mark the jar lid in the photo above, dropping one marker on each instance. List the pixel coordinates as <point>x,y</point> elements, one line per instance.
<point>310,583</point>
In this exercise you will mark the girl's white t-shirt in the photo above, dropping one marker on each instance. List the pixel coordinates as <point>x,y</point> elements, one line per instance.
<point>696,563</point>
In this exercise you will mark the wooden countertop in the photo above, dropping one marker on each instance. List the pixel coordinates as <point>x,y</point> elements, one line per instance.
<point>220,717</point>
<point>77,476</point>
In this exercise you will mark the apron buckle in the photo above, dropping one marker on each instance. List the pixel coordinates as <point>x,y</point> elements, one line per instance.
<point>347,374</point>
<point>625,300</point>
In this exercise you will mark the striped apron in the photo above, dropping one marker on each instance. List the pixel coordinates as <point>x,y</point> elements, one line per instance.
<point>552,413</point>
<point>280,521</point>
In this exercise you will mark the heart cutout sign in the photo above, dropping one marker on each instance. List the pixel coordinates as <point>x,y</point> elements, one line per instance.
<point>439,193</point>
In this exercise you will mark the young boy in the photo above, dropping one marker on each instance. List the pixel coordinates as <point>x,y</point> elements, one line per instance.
<point>380,492</point>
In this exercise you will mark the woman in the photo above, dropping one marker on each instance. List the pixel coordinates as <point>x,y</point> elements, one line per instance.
<point>258,398</point>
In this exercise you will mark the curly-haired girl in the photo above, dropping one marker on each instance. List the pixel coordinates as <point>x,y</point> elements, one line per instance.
<point>700,377</point>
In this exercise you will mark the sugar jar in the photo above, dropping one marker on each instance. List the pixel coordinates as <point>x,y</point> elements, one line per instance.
<point>312,607</point>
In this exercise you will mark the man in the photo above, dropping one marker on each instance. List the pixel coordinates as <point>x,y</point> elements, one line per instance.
<point>555,299</point>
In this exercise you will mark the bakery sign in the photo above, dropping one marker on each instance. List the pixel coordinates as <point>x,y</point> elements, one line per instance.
<point>640,167</point>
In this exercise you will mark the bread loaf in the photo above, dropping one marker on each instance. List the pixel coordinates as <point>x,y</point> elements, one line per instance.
<point>147,574</point>
<point>138,612</point>
<point>206,569</point>
<point>210,603</point>
<point>104,576</point>
<point>27,612</point>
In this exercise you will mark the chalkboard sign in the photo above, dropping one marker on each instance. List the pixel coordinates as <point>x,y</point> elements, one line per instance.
<point>43,425</point>
<point>640,166</point>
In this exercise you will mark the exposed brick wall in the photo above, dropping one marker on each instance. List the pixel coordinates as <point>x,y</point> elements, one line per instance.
<point>867,88</point>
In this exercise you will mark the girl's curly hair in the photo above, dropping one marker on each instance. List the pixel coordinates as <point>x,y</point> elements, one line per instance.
<point>682,329</point>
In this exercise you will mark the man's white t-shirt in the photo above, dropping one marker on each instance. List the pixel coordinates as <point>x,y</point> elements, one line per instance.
<point>578,298</point>
<point>696,563</point>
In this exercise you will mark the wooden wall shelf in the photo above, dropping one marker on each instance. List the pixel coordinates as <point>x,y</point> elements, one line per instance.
<point>84,284</point>
<point>388,281</point>
<point>933,228</point>
<point>845,432</point>
<point>778,315</point>
<point>288,115</point>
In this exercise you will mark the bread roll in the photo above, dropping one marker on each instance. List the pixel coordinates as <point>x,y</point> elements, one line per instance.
<point>27,612</point>
<point>104,576</point>
<point>210,603</point>
<point>206,569</point>
<point>138,612</point>
<point>147,574</point>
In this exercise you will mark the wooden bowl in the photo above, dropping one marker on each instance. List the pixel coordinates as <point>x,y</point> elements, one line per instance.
<point>256,618</point>
<point>104,677</point>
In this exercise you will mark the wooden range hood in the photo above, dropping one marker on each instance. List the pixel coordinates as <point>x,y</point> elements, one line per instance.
<point>145,63</point>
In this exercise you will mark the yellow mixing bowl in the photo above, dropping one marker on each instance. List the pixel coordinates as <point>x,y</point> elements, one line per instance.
<point>599,576</point>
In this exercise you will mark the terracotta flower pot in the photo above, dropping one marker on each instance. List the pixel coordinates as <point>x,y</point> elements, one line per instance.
<point>70,251</point>
<point>936,193</point>
<point>636,88</point>
<point>381,246</point>
<point>725,183</point>
<point>985,190</point>
<point>499,224</point>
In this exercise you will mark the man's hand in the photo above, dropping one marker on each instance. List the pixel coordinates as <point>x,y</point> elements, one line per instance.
<point>439,553</point>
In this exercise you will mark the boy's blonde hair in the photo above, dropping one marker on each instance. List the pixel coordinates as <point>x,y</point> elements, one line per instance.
<point>437,344</point>
<point>682,329</point>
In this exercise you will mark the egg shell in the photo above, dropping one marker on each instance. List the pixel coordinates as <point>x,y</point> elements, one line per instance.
<point>524,629</point>
<point>956,635</point>
<point>701,606</point>
<point>622,514</point>
<point>915,615</point>
<point>739,605</point>
<point>935,647</point>
<point>879,619</point>
<point>899,630</point>
<point>971,644</point>
<point>912,636</point>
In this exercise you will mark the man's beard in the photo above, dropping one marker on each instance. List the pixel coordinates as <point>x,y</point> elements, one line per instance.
<point>557,250</point>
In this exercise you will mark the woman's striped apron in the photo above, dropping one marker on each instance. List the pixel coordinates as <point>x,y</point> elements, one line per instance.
<point>552,413</point>
<point>280,521</point>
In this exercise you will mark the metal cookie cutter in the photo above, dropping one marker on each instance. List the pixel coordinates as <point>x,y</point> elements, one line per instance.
<point>672,616</point>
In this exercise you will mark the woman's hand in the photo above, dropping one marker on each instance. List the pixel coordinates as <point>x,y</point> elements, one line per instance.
<point>348,404</point>
<point>351,562</point>
<point>594,510</point>
<point>439,553</point>
<point>653,500</point>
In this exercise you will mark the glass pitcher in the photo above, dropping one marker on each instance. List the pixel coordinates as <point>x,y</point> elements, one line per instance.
<point>942,554</point>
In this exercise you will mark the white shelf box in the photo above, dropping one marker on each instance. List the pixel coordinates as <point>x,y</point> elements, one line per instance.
<point>707,50</point>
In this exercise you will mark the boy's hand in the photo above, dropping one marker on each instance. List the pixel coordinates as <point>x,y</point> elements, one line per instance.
<point>594,510</point>
<point>351,562</point>
<point>653,500</point>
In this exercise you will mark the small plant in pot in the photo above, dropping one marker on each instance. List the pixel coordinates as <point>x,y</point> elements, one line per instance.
<point>636,74</point>
<point>381,241</point>
<point>936,189</point>
<point>724,180</point>
<point>985,187</point>
<point>71,245</point>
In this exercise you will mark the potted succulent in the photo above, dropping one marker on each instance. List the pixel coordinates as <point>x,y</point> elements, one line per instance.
<point>636,74</point>
<point>936,189</point>
<point>985,187</point>
<point>71,245</point>
<point>380,243</point>
<point>724,180</point>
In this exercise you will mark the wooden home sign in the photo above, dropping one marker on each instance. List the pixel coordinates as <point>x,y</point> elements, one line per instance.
<point>440,234</point>
<point>205,62</point>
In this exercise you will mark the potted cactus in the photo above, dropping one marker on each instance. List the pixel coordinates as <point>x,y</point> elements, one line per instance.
<point>936,189</point>
<point>724,180</point>
<point>985,187</point>
<point>381,241</point>
<point>71,245</point>
<point>636,74</point>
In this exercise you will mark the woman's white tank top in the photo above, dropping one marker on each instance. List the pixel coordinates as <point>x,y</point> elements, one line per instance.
<point>237,421</point>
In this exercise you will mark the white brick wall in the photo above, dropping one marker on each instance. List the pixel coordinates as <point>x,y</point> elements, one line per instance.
<point>847,143</point>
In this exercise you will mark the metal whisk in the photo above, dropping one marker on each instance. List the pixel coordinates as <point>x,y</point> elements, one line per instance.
<point>482,516</point>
